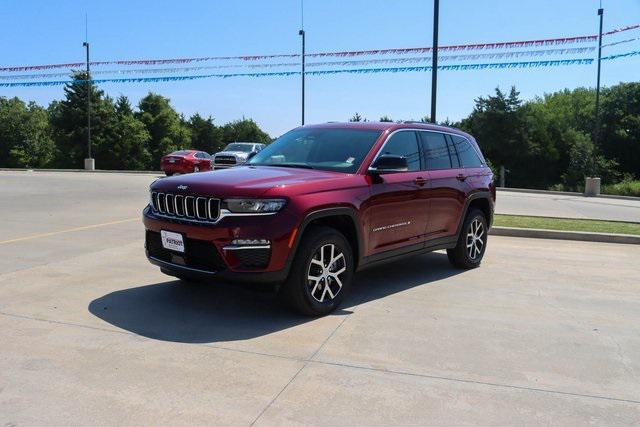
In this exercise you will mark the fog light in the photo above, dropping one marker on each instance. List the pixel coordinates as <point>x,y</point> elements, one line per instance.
<point>250,242</point>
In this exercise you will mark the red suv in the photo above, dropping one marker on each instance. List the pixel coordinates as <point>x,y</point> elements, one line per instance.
<point>185,161</point>
<point>322,202</point>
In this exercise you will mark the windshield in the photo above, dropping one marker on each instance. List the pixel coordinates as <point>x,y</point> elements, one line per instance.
<point>340,150</point>
<point>245,148</point>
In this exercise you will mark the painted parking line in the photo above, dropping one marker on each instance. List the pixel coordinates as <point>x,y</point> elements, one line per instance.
<point>69,230</point>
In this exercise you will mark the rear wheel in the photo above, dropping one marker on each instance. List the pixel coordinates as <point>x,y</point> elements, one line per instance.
<point>472,241</point>
<point>167,173</point>
<point>196,169</point>
<point>321,272</point>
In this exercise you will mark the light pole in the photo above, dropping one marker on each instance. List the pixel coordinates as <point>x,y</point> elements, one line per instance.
<point>89,162</point>
<point>434,61</point>
<point>301,33</point>
<point>592,184</point>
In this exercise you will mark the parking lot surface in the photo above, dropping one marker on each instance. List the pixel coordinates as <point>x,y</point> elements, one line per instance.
<point>545,332</point>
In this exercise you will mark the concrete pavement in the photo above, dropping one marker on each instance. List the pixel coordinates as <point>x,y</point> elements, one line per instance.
<point>545,332</point>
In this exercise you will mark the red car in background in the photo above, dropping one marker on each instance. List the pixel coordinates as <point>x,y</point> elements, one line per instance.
<point>185,161</point>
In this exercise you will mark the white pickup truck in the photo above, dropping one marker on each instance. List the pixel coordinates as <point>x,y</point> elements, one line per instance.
<point>234,154</point>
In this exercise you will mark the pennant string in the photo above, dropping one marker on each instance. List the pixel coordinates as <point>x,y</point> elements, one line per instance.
<point>400,51</point>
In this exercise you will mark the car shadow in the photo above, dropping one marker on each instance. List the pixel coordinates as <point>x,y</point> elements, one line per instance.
<point>206,313</point>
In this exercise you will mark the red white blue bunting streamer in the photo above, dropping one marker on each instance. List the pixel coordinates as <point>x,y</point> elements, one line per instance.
<point>410,60</point>
<point>456,67</point>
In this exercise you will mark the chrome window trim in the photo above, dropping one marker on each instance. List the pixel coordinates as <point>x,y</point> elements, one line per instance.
<point>480,156</point>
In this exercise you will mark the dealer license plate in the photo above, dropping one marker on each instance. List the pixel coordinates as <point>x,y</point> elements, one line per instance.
<point>172,241</point>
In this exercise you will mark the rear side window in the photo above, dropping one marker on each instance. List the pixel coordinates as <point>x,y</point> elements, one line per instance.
<point>435,151</point>
<point>404,144</point>
<point>466,153</point>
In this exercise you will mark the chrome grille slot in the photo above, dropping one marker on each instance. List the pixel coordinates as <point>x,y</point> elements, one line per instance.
<point>170,204</point>
<point>213,209</point>
<point>179,202</point>
<point>154,201</point>
<point>161,203</point>
<point>201,208</point>
<point>189,207</point>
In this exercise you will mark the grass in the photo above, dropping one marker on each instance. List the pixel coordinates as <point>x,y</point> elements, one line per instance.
<point>589,225</point>
<point>624,188</point>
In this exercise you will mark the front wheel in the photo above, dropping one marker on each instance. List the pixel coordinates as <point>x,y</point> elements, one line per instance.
<point>321,273</point>
<point>472,241</point>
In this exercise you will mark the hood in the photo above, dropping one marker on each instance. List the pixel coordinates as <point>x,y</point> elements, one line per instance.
<point>232,153</point>
<point>251,181</point>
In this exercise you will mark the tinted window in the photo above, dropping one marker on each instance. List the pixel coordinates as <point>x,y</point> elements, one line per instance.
<point>466,153</point>
<point>404,144</point>
<point>245,148</point>
<point>180,153</point>
<point>339,150</point>
<point>455,162</point>
<point>435,151</point>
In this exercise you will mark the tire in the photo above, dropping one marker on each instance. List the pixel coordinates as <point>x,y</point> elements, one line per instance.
<point>474,233</point>
<point>196,169</point>
<point>313,290</point>
<point>168,173</point>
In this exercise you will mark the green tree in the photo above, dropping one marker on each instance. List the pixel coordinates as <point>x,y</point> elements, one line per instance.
<point>385,118</point>
<point>164,125</point>
<point>205,135</point>
<point>620,135</point>
<point>357,118</point>
<point>25,135</point>
<point>68,120</point>
<point>244,130</point>
<point>126,142</point>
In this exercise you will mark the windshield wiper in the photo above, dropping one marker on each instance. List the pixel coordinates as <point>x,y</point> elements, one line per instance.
<point>287,165</point>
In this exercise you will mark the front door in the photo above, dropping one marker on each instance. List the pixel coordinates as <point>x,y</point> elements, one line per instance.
<point>396,212</point>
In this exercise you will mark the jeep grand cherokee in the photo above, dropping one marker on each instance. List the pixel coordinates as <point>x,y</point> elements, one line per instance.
<point>322,202</point>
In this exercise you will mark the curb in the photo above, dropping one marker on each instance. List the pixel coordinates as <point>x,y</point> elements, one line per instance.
<point>565,193</point>
<point>82,170</point>
<point>583,236</point>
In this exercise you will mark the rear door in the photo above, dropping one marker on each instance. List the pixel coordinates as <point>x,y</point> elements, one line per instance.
<point>396,211</point>
<point>447,192</point>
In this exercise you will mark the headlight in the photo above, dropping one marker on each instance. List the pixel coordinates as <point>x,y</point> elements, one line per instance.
<point>254,205</point>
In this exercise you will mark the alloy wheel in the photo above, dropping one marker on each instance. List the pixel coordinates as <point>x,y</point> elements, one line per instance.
<point>325,270</point>
<point>475,239</point>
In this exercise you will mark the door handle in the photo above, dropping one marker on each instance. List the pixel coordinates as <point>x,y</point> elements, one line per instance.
<point>461,177</point>
<point>420,181</point>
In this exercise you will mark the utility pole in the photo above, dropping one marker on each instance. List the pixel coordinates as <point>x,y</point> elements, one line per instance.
<point>434,62</point>
<point>301,33</point>
<point>89,162</point>
<point>592,183</point>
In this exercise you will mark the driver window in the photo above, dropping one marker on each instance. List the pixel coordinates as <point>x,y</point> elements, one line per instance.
<point>404,144</point>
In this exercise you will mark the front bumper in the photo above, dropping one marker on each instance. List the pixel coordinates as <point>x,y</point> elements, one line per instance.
<point>208,247</point>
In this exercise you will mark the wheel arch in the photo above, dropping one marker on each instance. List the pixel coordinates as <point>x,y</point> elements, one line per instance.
<point>343,219</point>
<point>481,200</point>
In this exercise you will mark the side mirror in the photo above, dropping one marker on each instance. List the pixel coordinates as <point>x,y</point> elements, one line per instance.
<point>389,163</point>
<point>251,155</point>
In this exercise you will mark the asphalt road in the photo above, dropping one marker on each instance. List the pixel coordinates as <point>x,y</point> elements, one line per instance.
<point>545,332</point>
<point>567,206</point>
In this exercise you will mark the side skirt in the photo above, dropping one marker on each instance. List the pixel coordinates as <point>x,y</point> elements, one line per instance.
<point>448,242</point>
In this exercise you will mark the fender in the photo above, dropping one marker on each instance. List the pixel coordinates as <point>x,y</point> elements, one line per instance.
<point>324,213</point>
<point>472,197</point>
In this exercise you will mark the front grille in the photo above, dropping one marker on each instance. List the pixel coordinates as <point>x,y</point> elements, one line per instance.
<point>190,208</point>
<point>198,254</point>
<point>253,258</point>
<point>225,160</point>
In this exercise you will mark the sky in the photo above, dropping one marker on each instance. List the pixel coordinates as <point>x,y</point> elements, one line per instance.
<point>41,32</point>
